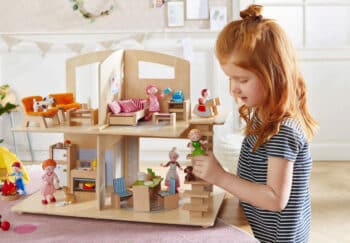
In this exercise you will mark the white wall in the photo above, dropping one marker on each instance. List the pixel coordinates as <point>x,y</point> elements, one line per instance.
<point>324,59</point>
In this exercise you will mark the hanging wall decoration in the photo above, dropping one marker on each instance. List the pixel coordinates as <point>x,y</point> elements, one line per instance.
<point>79,5</point>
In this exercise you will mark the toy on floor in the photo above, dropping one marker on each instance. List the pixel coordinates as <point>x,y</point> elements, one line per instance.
<point>48,178</point>
<point>196,143</point>
<point>173,165</point>
<point>9,191</point>
<point>153,101</point>
<point>206,107</point>
<point>18,174</point>
<point>4,225</point>
<point>6,160</point>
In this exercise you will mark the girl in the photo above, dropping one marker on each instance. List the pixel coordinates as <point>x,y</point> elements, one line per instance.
<point>272,180</point>
<point>48,187</point>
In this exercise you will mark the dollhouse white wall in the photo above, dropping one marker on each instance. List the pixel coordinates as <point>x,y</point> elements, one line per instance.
<point>321,37</point>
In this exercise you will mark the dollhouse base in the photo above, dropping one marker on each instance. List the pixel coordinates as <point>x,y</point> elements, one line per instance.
<point>87,209</point>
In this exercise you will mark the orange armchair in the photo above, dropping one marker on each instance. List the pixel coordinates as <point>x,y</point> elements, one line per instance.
<point>39,116</point>
<point>65,102</point>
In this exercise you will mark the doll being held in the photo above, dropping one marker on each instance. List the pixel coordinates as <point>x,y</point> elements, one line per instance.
<point>152,101</point>
<point>196,143</point>
<point>48,178</point>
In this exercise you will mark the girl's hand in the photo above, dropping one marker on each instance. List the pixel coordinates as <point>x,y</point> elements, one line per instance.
<point>207,168</point>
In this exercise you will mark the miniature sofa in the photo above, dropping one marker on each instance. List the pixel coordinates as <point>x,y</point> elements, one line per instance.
<point>39,116</point>
<point>126,112</point>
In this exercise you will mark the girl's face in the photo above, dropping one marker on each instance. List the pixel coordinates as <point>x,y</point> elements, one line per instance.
<point>244,84</point>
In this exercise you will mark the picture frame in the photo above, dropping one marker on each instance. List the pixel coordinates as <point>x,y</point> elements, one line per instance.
<point>218,17</point>
<point>175,12</point>
<point>197,9</point>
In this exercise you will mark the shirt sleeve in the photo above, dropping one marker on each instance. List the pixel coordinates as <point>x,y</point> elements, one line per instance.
<point>284,144</point>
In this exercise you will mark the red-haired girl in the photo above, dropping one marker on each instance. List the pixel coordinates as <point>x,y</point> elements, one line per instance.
<point>272,180</point>
<point>48,187</point>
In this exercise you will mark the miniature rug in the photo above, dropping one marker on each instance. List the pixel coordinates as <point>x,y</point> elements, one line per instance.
<point>43,228</point>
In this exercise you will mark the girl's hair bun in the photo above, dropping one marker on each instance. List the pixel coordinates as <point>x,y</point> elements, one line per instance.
<point>253,12</point>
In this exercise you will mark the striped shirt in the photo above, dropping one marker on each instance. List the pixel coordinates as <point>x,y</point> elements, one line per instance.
<point>292,224</point>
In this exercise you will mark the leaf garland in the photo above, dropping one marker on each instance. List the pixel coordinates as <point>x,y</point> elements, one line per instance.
<point>78,5</point>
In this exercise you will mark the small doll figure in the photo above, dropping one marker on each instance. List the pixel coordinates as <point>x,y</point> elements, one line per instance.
<point>153,101</point>
<point>172,172</point>
<point>196,144</point>
<point>202,100</point>
<point>17,173</point>
<point>48,187</point>
<point>202,109</point>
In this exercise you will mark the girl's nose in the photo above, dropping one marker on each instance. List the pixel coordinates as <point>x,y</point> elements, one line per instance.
<point>235,88</point>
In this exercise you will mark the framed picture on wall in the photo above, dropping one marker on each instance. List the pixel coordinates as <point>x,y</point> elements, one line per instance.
<point>176,13</point>
<point>197,9</point>
<point>218,17</point>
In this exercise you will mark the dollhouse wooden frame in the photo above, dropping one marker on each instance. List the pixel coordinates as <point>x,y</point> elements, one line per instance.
<point>124,141</point>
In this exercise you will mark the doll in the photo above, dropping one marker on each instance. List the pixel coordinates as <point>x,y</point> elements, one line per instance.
<point>48,187</point>
<point>17,173</point>
<point>202,100</point>
<point>202,109</point>
<point>172,164</point>
<point>196,144</point>
<point>153,101</point>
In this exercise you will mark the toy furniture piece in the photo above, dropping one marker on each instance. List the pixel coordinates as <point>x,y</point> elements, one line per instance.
<point>170,199</point>
<point>171,117</point>
<point>145,194</point>
<point>65,156</point>
<point>40,116</point>
<point>210,108</point>
<point>89,114</point>
<point>120,188</point>
<point>65,102</point>
<point>198,198</point>
<point>117,115</point>
<point>182,109</point>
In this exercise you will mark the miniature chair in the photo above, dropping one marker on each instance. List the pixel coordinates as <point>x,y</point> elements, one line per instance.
<point>120,188</point>
<point>40,116</point>
<point>65,102</point>
<point>170,199</point>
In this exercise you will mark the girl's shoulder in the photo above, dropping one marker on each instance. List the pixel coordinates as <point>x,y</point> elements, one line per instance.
<point>293,127</point>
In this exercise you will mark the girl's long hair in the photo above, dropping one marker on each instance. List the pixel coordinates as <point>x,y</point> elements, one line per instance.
<point>262,47</point>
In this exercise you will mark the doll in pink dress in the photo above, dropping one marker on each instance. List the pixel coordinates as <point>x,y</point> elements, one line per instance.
<point>48,187</point>
<point>173,165</point>
<point>153,101</point>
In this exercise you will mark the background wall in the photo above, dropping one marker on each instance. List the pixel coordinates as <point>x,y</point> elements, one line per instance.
<point>47,32</point>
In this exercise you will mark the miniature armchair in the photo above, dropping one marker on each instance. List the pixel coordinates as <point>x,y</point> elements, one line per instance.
<point>64,103</point>
<point>120,188</point>
<point>38,116</point>
<point>170,199</point>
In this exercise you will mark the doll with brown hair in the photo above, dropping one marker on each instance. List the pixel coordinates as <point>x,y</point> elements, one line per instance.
<point>48,178</point>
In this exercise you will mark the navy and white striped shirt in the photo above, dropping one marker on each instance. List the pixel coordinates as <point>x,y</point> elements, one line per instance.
<point>292,224</point>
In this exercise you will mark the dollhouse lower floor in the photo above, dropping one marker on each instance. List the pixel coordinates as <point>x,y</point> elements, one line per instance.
<point>87,209</point>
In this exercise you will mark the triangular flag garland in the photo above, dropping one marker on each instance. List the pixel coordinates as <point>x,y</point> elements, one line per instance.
<point>77,48</point>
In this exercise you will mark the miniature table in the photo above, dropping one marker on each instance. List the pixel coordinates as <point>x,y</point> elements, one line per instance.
<point>91,114</point>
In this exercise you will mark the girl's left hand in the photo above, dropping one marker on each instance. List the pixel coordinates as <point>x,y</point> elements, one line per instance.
<point>207,168</point>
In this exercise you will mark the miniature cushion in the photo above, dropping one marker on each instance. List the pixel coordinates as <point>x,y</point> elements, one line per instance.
<point>127,105</point>
<point>114,107</point>
<point>139,103</point>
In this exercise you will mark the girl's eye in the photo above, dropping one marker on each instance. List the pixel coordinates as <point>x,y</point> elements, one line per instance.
<point>243,81</point>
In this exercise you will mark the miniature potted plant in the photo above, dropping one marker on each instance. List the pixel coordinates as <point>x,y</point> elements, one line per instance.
<point>7,101</point>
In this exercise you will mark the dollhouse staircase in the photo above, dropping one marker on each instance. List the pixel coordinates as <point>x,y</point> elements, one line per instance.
<point>199,197</point>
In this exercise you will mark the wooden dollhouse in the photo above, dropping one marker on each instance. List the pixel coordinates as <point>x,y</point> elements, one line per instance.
<point>115,134</point>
